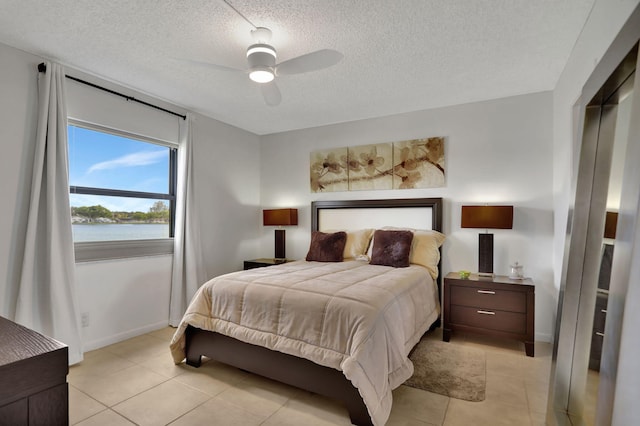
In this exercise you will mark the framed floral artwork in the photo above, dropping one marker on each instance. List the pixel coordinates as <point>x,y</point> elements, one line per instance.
<point>369,167</point>
<point>328,170</point>
<point>418,163</point>
<point>410,164</point>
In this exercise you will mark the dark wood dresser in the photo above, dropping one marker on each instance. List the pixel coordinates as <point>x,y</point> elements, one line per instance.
<point>495,306</point>
<point>33,378</point>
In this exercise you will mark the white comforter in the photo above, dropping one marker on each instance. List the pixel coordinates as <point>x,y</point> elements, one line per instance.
<point>358,318</point>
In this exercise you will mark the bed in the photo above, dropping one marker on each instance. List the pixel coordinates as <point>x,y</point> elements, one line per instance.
<point>341,329</point>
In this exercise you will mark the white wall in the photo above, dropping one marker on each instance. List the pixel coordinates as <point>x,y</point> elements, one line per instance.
<point>621,138</point>
<point>227,181</point>
<point>123,298</point>
<point>497,151</point>
<point>127,297</point>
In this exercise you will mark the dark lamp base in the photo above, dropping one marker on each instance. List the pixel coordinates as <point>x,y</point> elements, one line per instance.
<point>280,245</point>
<point>485,255</point>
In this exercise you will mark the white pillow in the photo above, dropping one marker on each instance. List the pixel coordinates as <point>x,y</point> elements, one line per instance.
<point>357,242</point>
<point>424,250</point>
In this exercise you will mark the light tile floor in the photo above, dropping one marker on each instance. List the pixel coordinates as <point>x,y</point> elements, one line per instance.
<point>136,382</point>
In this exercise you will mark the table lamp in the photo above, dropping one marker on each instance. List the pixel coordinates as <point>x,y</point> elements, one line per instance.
<point>280,217</point>
<point>487,217</point>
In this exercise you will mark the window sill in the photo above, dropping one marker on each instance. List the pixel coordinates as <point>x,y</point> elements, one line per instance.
<point>106,250</point>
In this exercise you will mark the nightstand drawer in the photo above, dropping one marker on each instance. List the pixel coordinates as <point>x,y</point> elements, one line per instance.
<point>600,314</point>
<point>596,351</point>
<point>491,319</point>
<point>488,298</point>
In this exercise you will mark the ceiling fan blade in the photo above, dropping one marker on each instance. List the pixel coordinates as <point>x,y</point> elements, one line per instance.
<point>210,65</point>
<point>313,61</point>
<point>271,93</point>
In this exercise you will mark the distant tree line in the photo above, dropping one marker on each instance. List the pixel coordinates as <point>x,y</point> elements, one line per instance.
<point>158,213</point>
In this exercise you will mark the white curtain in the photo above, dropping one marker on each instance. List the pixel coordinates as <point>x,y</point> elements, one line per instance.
<point>188,266</point>
<point>47,299</point>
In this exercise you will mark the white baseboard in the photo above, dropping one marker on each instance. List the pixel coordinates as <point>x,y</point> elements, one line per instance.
<point>544,337</point>
<point>110,340</point>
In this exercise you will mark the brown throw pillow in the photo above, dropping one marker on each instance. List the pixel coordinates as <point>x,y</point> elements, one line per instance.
<point>391,248</point>
<point>327,247</point>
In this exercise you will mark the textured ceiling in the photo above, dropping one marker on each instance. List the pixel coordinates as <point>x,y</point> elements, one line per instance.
<point>399,55</point>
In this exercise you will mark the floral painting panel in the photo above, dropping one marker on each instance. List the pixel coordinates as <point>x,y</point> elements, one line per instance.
<point>418,163</point>
<point>328,170</point>
<point>370,167</point>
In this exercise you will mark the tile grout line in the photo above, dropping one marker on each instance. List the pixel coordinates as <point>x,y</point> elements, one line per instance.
<point>87,418</point>
<point>274,413</point>
<point>123,416</point>
<point>90,397</point>
<point>102,411</point>
<point>184,414</point>
<point>446,411</point>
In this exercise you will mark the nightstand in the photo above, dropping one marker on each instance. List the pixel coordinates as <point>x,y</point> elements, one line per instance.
<point>259,263</point>
<point>494,306</point>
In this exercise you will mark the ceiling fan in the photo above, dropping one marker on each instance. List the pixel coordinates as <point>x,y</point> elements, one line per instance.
<point>261,60</point>
<point>263,69</point>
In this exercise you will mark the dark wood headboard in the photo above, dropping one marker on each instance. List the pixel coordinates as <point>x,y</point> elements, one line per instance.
<point>433,204</point>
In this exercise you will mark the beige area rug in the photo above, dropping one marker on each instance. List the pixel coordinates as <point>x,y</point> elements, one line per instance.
<point>450,370</point>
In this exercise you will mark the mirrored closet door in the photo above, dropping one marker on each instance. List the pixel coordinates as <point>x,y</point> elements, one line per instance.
<point>617,109</point>
<point>587,337</point>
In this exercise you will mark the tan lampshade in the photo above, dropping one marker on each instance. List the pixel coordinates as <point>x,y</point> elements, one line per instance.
<point>280,217</point>
<point>610,225</point>
<point>487,217</point>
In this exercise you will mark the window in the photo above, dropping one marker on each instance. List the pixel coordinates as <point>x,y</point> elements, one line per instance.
<point>122,189</point>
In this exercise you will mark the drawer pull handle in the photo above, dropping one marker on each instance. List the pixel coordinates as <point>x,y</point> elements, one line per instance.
<point>599,334</point>
<point>604,311</point>
<point>486,312</point>
<point>486,292</point>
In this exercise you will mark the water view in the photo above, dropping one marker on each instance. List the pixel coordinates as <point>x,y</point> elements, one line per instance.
<point>119,231</point>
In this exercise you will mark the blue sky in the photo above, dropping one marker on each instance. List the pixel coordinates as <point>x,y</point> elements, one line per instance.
<point>102,160</point>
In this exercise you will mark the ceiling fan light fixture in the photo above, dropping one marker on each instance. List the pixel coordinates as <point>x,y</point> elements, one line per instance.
<point>261,48</point>
<point>261,74</point>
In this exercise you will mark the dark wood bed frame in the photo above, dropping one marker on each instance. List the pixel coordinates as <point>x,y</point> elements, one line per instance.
<point>289,369</point>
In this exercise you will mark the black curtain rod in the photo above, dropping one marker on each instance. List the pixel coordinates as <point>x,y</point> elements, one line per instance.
<point>42,67</point>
